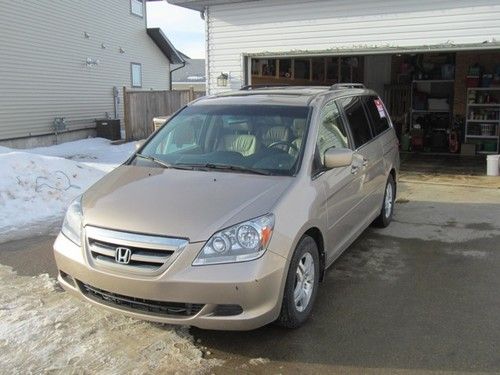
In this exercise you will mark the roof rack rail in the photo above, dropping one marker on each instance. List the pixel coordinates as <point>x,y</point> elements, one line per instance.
<point>339,86</point>
<point>262,86</point>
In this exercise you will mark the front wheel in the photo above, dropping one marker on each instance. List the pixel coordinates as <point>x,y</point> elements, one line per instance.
<point>385,217</point>
<point>301,284</point>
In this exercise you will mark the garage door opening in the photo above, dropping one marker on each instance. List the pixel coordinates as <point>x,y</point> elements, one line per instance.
<point>442,103</point>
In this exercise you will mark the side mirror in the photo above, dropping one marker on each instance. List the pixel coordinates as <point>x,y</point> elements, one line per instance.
<point>338,157</point>
<point>139,144</point>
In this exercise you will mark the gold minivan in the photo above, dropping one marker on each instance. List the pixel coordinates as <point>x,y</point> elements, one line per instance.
<point>228,216</point>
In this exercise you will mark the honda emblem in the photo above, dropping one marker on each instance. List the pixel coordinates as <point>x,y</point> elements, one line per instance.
<point>123,255</point>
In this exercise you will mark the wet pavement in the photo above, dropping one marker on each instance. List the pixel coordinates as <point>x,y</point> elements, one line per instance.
<point>446,169</point>
<point>420,296</point>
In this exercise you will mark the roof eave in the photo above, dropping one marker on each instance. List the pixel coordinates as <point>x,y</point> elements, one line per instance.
<point>165,45</point>
<point>200,5</point>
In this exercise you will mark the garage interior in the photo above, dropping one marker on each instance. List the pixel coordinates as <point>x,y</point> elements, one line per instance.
<point>442,103</point>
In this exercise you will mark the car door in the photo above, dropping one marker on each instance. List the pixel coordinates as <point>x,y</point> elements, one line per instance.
<point>368,149</point>
<point>341,185</point>
<point>385,135</point>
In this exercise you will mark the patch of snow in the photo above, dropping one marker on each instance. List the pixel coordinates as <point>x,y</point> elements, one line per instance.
<point>45,330</point>
<point>37,185</point>
<point>468,253</point>
<point>259,361</point>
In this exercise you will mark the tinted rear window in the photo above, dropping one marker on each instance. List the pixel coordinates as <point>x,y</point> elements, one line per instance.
<point>358,122</point>
<point>378,115</point>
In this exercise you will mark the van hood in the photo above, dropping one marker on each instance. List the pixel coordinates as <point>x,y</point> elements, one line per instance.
<point>179,203</point>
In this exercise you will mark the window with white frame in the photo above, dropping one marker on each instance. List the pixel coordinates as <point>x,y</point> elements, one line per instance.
<point>136,74</point>
<point>137,7</point>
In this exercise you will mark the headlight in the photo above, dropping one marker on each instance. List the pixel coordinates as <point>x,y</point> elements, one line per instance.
<point>239,243</point>
<point>72,225</point>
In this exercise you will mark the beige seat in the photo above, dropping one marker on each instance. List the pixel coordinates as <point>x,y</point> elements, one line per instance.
<point>245,144</point>
<point>275,134</point>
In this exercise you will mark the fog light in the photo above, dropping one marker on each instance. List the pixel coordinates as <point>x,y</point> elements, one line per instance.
<point>228,310</point>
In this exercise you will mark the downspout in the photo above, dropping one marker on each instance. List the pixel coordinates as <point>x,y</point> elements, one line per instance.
<point>173,70</point>
<point>205,16</point>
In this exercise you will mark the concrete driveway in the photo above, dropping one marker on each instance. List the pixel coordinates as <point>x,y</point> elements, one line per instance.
<point>420,296</point>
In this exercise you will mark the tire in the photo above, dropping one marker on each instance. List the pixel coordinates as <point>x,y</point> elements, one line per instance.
<point>385,217</point>
<point>293,314</point>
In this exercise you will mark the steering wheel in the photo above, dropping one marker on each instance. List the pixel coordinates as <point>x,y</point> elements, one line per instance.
<point>289,145</point>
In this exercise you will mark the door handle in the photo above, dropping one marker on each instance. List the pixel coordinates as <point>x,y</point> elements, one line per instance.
<point>354,169</point>
<point>365,162</point>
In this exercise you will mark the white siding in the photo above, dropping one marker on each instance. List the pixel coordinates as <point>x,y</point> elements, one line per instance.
<point>43,52</point>
<point>281,26</point>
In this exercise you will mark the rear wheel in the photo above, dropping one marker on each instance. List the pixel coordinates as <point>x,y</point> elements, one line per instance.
<point>385,217</point>
<point>301,284</point>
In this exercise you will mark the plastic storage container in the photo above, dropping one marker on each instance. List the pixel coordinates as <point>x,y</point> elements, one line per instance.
<point>492,165</point>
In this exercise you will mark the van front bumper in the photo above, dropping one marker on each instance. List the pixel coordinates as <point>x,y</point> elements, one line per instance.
<point>237,296</point>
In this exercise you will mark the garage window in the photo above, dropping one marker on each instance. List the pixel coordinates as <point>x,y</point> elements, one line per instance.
<point>285,68</point>
<point>302,69</point>
<point>358,122</point>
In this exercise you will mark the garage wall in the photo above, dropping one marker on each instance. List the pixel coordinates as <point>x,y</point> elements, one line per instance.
<point>378,72</point>
<point>43,52</point>
<point>328,25</point>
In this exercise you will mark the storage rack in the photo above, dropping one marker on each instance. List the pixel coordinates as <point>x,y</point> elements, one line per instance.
<point>442,86</point>
<point>481,131</point>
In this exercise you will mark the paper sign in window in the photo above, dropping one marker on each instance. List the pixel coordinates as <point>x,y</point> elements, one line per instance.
<point>380,108</point>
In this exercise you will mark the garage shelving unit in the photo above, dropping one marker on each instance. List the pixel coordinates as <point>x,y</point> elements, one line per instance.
<point>441,118</point>
<point>483,119</point>
<point>432,83</point>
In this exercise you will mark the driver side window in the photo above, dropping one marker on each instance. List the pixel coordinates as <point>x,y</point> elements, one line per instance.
<point>331,131</point>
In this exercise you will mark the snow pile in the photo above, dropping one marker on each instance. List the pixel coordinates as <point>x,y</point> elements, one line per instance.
<point>37,185</point>
<point>43,330</point>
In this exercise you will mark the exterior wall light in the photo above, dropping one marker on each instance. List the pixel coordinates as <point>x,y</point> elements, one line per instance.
<point>222,79</point>
<point>91,63</point>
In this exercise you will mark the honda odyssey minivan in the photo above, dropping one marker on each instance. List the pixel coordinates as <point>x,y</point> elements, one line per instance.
<point>228,216</point>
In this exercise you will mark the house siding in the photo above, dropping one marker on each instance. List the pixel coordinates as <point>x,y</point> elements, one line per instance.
<point>43,51</point>
<point>293,26</point>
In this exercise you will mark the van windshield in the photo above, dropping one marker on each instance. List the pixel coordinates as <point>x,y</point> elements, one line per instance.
<point>262,139</point>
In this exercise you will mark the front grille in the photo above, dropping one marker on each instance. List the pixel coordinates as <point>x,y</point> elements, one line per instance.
<point>139,304</point>
<point>148,254</point>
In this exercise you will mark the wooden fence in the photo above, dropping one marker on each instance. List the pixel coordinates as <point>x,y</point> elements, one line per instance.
<point>140,107</point>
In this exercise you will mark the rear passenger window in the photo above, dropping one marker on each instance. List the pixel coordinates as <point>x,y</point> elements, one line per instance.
<point>331,131</point>
<point>358,122</point>
<point>378,115</point>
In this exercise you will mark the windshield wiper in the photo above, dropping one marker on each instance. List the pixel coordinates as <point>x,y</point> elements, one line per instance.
<point>164,164</point>
<point>229,167</point>
<point>154,160</point>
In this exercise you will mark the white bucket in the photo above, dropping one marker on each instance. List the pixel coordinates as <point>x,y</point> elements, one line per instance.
<point>492,165</point>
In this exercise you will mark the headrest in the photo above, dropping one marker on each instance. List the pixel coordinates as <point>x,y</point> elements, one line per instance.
<point>299,127</point>
<point>241,126</point>
<point>276,133</point>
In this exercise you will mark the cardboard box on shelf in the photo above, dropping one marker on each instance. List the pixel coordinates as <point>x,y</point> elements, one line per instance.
<point>468,149</point>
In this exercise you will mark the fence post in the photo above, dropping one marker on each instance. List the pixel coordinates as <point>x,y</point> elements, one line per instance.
<point>191,93</point>
<point>126,114</point>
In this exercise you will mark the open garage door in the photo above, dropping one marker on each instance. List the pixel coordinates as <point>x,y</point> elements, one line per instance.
<point>441,102</point>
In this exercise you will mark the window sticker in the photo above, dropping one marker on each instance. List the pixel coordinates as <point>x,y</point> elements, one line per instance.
<point>380,107</point>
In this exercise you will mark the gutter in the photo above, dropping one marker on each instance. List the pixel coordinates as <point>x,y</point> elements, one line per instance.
<point>170,74</point>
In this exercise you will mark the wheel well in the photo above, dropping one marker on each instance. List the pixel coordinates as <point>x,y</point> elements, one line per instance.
<point>316,235</point>
<point>393,174</point>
